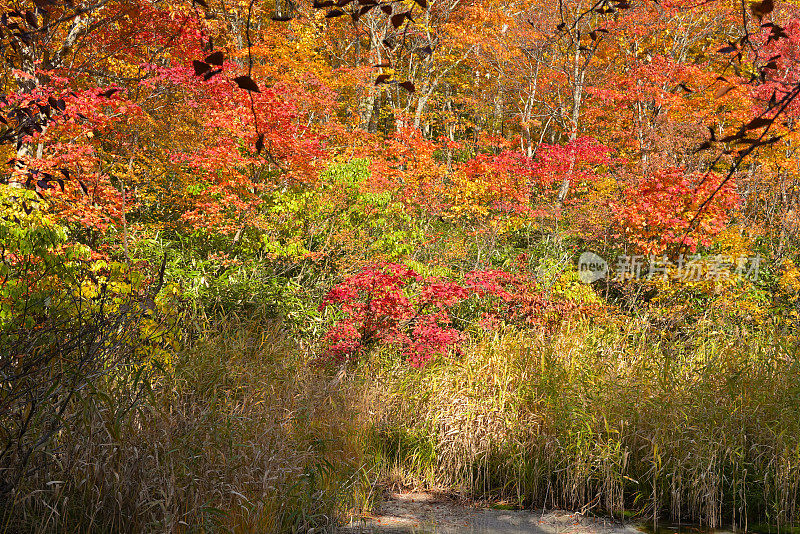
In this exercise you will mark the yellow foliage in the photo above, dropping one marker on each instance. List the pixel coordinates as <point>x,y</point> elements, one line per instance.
<point>789,281</point>
<point>568,287</point>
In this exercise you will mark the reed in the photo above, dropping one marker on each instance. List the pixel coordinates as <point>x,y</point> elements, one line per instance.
<point>618,418</point>
<point>243,435</point>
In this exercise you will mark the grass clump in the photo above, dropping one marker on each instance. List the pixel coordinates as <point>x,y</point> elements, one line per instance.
<point>243,433</point>
<point>241,436</point>
<point>603,418</point>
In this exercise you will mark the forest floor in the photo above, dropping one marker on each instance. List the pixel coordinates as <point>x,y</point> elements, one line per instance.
<point>428,513</point>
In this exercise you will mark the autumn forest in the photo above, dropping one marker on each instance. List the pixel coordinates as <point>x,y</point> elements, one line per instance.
<point>264,263</point>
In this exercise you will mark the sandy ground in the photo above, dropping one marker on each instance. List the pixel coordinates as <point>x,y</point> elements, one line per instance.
<point>423,513</point>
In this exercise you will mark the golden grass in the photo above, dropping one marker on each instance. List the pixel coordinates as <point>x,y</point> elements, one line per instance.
<point>246,435</point>
<point>603,418</point>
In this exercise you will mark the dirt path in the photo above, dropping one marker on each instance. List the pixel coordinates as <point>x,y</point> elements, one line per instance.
<point>423,513</point>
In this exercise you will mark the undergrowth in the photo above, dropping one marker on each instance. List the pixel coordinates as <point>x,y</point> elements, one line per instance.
<point>240,434</point>
<point>243,432</point>
<point>615,419</point>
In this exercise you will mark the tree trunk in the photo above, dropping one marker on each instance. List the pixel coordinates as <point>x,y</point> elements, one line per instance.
<point>578,77</point>
<point>421,101</point>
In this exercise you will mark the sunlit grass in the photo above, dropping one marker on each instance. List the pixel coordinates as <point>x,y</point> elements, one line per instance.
<point>246,434</point>
<point>608,419</point>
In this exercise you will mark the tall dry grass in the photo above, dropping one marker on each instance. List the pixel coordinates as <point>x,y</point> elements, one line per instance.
<point>618,418</point>
<point>242,435</point>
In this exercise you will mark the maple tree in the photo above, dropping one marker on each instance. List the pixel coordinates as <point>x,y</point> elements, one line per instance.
<point>657,212</point>
<point>394,304</point>
<point>376,307</point>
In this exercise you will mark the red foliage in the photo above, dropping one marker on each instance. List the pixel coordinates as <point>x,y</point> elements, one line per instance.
<point>657,211</point>
<point>391,303</point>
<point>406,163</point>
<point>506,177</point>
<point>580,157</point>
<point>376,307</point>
<point>783,58</point>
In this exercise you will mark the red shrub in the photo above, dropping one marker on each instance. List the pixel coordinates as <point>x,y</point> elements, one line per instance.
<point>392,304</point>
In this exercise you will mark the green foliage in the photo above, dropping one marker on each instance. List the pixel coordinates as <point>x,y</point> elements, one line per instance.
<point>338,214</point>
<point>69,322</point>
<point>212,282</point>
<point>380,218</point>
<point>36,264</point>
<point>429,271</point>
